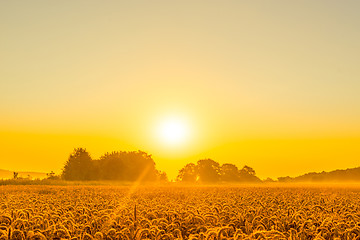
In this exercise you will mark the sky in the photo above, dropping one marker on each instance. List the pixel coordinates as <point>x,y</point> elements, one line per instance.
<point>270,84</point>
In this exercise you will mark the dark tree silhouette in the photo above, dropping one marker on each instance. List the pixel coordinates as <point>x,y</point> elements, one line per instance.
<point>121,166</point>
<point>229,173</point>
<point>247,174</point>
<point>269,180</point>
<point>128,166</point>
<point>285,179</point>
<point>79,166</point>
<point>188,173</point>
<point>162,177</point>
<point>247,170</point>
<point>140,166</point>
<point>52,176</point>
<point>112,166</point>
<point>208,170</point>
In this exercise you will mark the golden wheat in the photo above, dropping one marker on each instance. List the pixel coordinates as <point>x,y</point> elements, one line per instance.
<point>169,213</point>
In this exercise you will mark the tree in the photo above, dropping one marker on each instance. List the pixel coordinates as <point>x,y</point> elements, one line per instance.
<point>128,166</point>
<point>247,170</point>
<point>112,166</point>
<point>188,173</point>
<point>79,166</point>
<point>121,166</point>
<point>285,179</point>
<point>229,173</point>
<point>208,170</point>
<point>52,176</point>
<point>269,180</point>
<point>139,166</point>
<point>247,174</point>
<point>162,177</point>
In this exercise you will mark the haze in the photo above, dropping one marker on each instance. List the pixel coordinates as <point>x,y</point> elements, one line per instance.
<point>271,84</point>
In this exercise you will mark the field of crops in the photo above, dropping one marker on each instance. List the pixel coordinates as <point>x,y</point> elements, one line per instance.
<point>99,212</point>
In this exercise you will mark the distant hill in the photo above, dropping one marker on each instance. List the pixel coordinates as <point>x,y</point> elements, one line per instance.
<point>6,174</point>
<point>347,175</point>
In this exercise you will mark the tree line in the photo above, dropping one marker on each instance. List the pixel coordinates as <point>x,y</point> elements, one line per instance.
<point>139,166</point>
<point>120,166</point>
<point>210,171</point>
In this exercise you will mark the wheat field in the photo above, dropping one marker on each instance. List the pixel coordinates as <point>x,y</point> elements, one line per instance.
<point>167,213</point>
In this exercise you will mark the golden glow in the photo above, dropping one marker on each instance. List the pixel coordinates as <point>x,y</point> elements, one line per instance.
<point>173,131</point>
<point>236,81</point>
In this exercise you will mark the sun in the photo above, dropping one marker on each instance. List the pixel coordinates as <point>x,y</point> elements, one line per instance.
<point>173,131</point>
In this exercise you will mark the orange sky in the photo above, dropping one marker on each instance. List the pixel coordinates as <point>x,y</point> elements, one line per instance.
<point>272,85</point>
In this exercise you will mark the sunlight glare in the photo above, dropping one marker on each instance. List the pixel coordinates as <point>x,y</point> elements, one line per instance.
<point>173,131</point>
